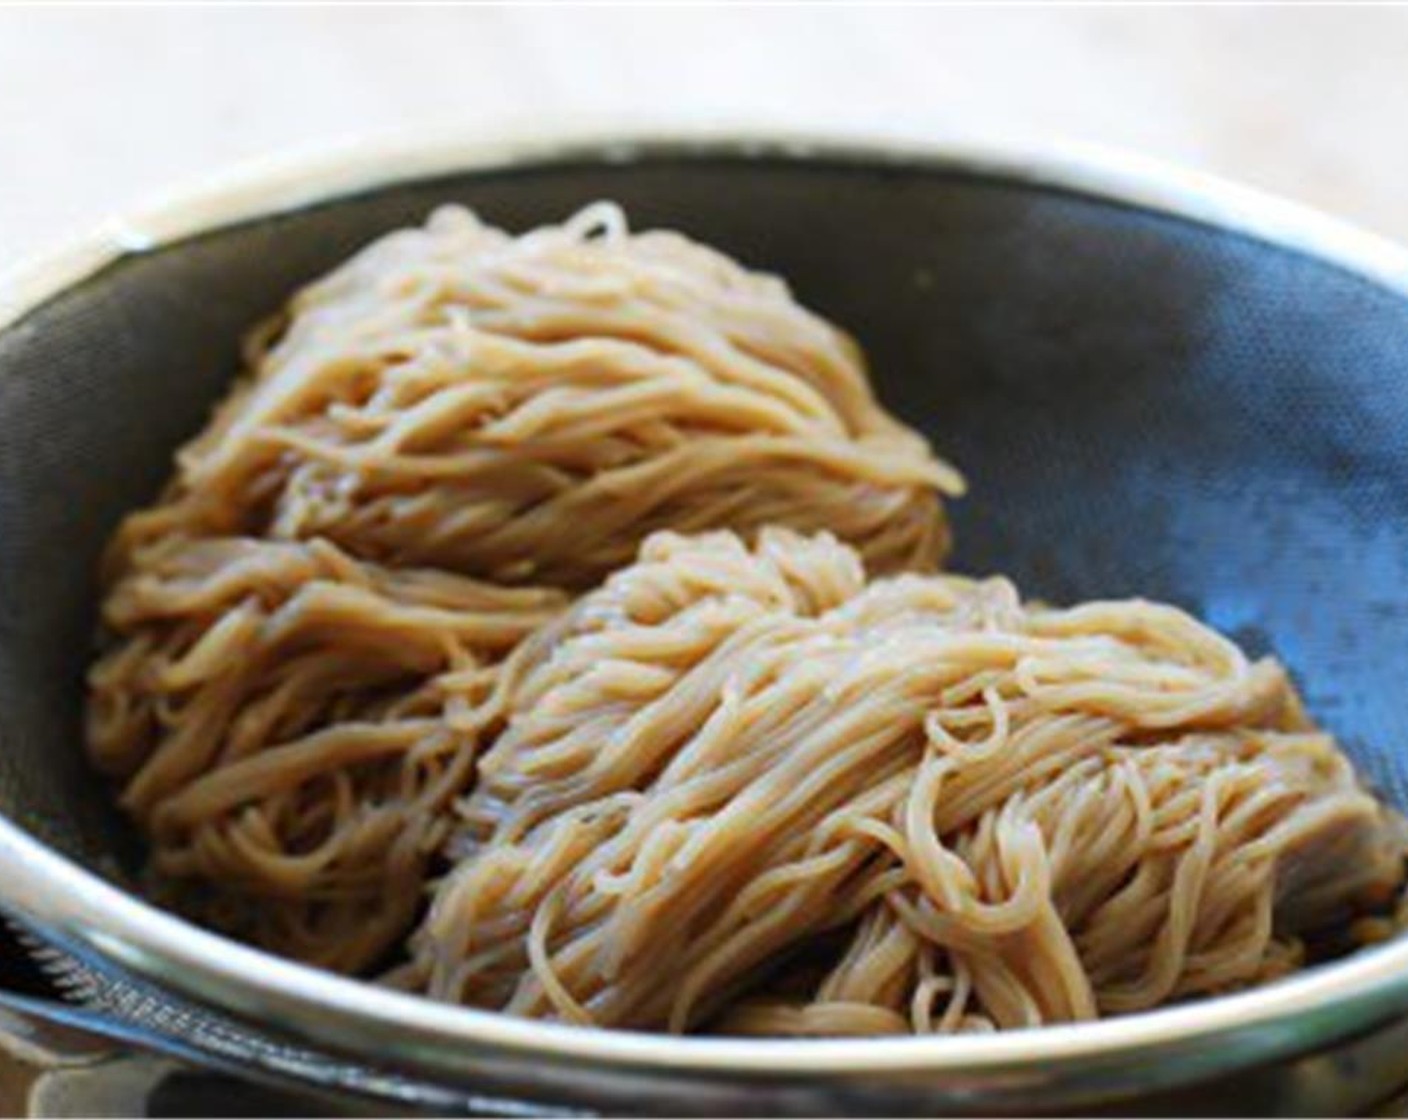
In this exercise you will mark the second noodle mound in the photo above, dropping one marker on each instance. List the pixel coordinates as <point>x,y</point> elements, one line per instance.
<point>747,789</point>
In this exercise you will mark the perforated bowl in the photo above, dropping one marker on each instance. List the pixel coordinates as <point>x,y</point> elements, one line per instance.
<point>1157,384</point>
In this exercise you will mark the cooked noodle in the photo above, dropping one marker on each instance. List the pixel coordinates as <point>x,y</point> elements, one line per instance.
<point>290,635</point>
<point>773,776</point>
<point>291,725</point>
<point>1024,815</point>
<point>528,410</point>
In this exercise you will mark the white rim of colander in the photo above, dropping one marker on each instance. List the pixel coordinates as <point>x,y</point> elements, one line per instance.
<point>1213,1035</point>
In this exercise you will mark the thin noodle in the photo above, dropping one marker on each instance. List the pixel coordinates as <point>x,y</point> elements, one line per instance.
<point>1116,817</point>
<point>528,410</point>
<point>772,776</point>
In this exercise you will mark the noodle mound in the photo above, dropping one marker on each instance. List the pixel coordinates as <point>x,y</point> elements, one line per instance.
<point>300,667</point>
<point>529,409</point>
<point>747,789</point>
<point>773,776</point>
<point>291,725</point>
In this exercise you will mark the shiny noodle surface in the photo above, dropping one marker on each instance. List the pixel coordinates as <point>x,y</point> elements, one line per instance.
<point>304,633</point>
<point>773,776</point>
<point>750,790</point>
<point>529,409</point>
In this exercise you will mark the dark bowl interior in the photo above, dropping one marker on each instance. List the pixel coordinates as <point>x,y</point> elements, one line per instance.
<point>1143,406</point>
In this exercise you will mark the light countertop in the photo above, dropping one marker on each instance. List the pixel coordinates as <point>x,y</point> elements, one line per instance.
<point>100,109</point>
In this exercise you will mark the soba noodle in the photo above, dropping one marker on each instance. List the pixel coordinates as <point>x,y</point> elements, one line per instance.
<point>291,724</point>
<point>291,624</point>
<point>528,410</point>
<point>1016,815</point>
<point>774,775</point>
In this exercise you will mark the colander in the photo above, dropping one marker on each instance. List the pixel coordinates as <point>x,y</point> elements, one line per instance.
<point>1157,384</point>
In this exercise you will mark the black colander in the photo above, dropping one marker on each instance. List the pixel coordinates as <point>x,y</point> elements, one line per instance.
<point>1157,386</point>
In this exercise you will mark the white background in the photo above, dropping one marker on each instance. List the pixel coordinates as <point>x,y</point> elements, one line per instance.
<point>101,108</point>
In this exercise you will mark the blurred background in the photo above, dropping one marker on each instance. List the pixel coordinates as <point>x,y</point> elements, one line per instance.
<point>102,108</point>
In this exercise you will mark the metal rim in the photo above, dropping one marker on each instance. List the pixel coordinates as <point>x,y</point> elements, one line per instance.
<point>322,1007</point>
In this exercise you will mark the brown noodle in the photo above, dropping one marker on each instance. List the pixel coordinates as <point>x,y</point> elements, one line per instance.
<point>1022,815</point>
<point>774,776</point>
<point>528,410</point>
<point>291,726</point>
<point>290,625</point>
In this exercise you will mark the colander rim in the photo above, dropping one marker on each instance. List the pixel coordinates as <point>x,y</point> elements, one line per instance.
<point>1212,1035</point>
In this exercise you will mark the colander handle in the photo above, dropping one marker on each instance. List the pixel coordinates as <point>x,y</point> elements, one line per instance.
<point>50,1067</point>
<point>57,1060</point>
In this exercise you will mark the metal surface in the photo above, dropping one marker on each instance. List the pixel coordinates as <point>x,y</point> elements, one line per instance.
<point>57,1060</point>
<point>116,1021</point>
<point>50,1071</point>
<point>1146,398</point>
